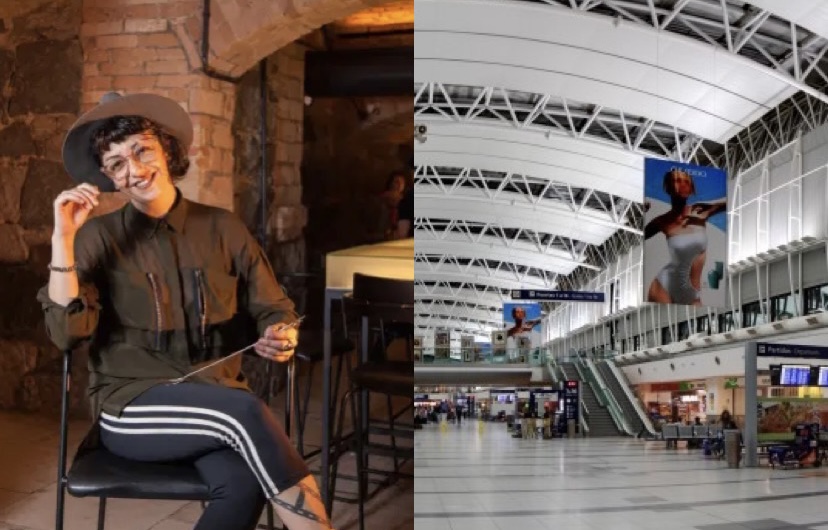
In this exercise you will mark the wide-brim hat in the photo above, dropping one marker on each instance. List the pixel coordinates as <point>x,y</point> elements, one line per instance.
<point>78,157</point>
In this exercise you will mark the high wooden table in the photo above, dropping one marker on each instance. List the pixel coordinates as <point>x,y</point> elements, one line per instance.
<point>391,259</point>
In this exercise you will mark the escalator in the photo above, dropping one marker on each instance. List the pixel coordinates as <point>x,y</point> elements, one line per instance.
<point>597,417</point>
<point>630,406</point>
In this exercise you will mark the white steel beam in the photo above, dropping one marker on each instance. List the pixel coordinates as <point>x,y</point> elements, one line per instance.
<point>481,315</point>
<point>465,205</point>
<point>478,275</point>
<point>492,248</point>
<point>550,158</point>
<point>460,322</point>
<point>478,332</point>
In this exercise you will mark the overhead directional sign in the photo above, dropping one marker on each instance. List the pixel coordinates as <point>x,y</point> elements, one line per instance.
<point>559,296</point>
<point>791,350</point>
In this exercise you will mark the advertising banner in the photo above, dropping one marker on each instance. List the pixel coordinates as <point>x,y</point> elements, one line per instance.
<point>523,329</point>
<point>685,233</point>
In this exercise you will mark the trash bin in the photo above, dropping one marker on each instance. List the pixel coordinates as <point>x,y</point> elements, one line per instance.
<point>570,428</point>
<point>733,448</point>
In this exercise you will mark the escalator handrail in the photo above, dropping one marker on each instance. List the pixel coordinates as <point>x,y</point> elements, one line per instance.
<point>635,402</point>
<point>599,387</point>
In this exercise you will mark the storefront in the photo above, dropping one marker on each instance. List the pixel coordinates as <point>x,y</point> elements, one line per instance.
<point>677,401</point>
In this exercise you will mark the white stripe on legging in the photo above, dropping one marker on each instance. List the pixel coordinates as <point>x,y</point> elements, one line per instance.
<point>216,414</point>
<point>180,431</point>
<point>256,463</point>
<point>232,438</point>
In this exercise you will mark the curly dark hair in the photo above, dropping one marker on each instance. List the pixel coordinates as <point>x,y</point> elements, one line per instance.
<point>116,129</point>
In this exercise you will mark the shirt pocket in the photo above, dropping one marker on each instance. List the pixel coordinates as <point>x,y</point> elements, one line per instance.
<point>140,300</point>
<point>217,295</point>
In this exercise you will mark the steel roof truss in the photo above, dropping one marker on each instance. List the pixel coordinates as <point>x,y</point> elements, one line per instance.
<point>544,112</point>
<point>796,53</point>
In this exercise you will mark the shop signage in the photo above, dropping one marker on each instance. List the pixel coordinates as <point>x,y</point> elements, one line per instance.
<point>664,387</point>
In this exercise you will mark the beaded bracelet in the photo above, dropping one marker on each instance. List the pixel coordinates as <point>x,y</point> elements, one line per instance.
<point>73,268</point>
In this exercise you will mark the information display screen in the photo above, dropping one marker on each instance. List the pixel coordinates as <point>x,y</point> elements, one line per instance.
<point>795,375</point>
<point>798,375</point>
<point>822,380</point>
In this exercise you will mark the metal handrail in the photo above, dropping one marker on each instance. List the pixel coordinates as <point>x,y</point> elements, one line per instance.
<point>636,403</point>
<point>551,367</point>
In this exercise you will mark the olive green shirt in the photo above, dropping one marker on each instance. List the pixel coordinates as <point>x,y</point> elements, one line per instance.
<point>159,297</point>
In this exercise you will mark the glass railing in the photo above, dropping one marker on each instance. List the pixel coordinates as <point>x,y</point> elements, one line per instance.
<point>446,357</point>
<point>573,356</point>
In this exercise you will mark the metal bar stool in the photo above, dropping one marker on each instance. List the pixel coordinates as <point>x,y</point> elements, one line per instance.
<point>383,301</point>
<point>295,285</point>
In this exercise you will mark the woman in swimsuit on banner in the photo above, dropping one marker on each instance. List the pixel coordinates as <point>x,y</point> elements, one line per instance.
<point>685,227</point>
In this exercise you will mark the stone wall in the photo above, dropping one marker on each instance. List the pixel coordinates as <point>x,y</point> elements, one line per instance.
<point>351,146</point>
<point>38,41</point>
<point>286,216</point>
<point>58,57</point>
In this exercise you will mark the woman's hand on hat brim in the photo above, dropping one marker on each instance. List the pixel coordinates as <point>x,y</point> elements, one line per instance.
<point>72,208</point>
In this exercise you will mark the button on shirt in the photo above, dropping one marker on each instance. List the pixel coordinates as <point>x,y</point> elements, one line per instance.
<point>160,297</point>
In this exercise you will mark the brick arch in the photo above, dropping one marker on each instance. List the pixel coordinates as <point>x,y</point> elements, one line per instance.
<point>154,46</point>
<point>244,31</point>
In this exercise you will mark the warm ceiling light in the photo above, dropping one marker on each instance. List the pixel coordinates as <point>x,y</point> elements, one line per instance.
<point>391,14</point>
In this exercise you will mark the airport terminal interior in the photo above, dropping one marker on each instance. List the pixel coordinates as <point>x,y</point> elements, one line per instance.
<point>621,264</point>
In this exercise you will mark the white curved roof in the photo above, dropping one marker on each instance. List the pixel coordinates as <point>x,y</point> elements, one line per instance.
<point>491,248</point>
<point>490,298</point>
<point>810,14</point>
<point>508,210</point>
<point>557,158</point>
<point>478,276</point>
<point>482,315</point>
<point>586,56</point>
<point>539,115</point>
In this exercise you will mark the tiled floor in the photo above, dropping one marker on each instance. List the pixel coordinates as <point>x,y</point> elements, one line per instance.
<point>485,480</point>
<point>28,456</point>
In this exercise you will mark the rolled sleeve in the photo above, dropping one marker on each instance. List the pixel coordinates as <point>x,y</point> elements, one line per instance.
<point>68,326</point>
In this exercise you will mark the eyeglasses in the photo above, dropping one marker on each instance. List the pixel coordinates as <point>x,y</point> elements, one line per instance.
<point>118,168</point>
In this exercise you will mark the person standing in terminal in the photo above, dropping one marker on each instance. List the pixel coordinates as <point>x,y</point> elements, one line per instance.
<point>684,227</point>
<point>442,410</point>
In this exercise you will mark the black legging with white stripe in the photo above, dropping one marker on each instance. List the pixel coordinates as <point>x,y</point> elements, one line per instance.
<point>234,440</point>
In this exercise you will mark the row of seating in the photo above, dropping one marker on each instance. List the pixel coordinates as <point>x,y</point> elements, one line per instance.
<point>675,432</point>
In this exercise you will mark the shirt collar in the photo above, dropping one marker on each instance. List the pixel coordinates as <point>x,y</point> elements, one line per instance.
<point>141,222</point>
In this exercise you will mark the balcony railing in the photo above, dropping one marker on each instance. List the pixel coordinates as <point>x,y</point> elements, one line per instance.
<point>459,357</point>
